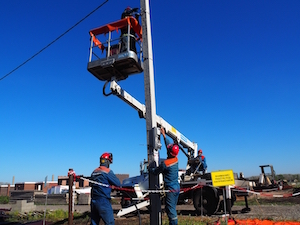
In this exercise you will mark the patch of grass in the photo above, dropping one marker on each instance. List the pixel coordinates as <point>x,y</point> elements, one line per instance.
<point>51,215</point>
<point>251,201</point>
<point>56,215</point>
<point>254,201</point>
<point>115,201</point>
<point>4,199</point>
<point>192,220</point>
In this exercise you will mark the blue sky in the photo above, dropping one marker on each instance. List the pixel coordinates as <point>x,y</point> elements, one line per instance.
<point>226,76</point>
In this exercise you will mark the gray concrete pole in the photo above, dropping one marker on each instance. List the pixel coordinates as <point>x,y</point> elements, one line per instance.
<point>153,154</point>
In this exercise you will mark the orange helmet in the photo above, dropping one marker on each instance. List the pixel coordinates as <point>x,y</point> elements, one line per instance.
<point>173,149</point>
<point>106,157</point>
<point>199,151</point>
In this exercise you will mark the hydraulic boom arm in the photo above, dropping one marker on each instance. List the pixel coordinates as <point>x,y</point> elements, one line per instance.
<point>170,130</point>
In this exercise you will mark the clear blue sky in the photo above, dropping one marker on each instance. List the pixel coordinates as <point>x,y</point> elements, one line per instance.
<point>226,76</point>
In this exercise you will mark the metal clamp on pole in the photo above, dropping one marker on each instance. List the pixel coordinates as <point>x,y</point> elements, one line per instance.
<point>154,136</point>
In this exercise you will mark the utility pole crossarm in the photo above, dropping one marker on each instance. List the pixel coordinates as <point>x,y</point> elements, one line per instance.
<point>170,130</point>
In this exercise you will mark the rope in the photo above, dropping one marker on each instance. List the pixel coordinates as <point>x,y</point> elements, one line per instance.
<point>183,190</point>
<point>239,189</point>
<point>143,191</point>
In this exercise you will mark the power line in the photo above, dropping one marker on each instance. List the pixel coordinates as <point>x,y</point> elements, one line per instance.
<point>26,61</point>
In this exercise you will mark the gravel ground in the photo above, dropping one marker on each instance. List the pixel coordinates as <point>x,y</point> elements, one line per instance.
<point>270,211</point>
<point>278,209</point>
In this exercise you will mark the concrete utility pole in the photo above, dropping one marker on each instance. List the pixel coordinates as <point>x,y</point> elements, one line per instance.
<point>153,154</point>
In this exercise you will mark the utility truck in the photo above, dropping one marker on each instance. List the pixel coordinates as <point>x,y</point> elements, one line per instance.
<point>195,187</point>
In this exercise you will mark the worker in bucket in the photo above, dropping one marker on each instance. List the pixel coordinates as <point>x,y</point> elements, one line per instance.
<point>125,36</point>
<point>104,178</point>
<point>169,168</point>
<point>202,159</point>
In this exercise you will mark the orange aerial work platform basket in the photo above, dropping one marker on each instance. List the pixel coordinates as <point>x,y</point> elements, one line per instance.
<point>116,50</point>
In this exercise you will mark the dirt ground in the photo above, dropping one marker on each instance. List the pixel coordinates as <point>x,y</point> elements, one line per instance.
<point>261,206</point>
<point>271,211</point>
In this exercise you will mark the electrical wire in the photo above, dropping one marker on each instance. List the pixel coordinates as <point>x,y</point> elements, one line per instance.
<point>60,36</point>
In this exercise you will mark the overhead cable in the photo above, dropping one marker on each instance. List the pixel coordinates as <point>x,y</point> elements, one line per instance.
<point>26,61</point>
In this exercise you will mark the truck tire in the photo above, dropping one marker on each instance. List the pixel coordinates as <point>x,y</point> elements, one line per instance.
<point>210,200</point>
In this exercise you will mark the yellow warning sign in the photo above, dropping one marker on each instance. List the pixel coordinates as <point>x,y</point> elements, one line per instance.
<point>222,178</point>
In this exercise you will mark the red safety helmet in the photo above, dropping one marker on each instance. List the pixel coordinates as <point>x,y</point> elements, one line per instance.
<point>106,156</point>
<point>199,151</point>
<point>127,12</point>
<point>173,149</point>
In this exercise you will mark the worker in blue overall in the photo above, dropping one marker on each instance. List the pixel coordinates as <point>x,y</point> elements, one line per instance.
<point>100,194</point>
<point>169,168</point>
<point>202,159</point>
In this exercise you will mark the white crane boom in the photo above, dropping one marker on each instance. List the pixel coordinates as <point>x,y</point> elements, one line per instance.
<point>141,108</point>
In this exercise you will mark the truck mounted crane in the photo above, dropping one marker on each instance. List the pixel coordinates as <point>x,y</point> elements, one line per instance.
<point>107,62</point>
